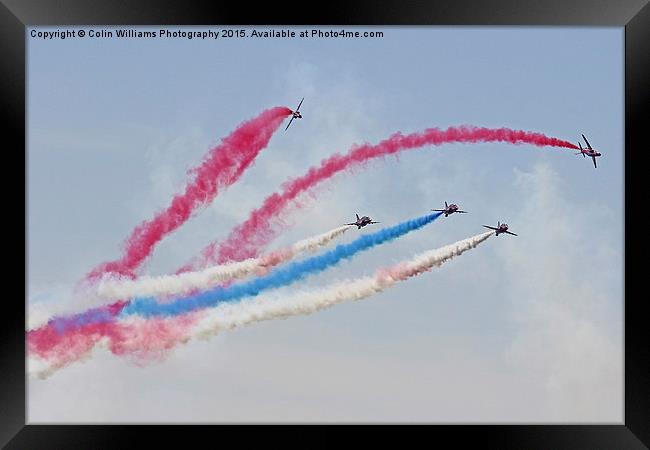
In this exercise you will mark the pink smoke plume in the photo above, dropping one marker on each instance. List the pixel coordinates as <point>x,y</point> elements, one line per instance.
<point>141,341</point>
<point>249,237</point>
<point>221,167</point>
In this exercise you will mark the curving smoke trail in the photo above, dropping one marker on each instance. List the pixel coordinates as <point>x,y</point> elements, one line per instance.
<point>283,276</point>
<point>228,316</point>
<point>249,237</point>
<point>67,337</point>
<point>144,339</point>
<point>184,283</point>
<point>58,345</point>
<point>221,167</point>
<point>50,350</point>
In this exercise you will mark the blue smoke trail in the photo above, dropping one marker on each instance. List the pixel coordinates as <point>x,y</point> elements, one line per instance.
<point>282,276</point>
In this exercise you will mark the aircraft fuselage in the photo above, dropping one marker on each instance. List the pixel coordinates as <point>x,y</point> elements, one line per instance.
<point>451,209</point>
<point>363,221</point>
<point>501,229</point>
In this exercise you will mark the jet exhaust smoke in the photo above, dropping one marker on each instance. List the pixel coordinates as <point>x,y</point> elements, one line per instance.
<point>140,340</point>
<point>146,339</point>
<point>221,167</point>
<point>229,316</point>
<point>247,238</point>
<point>283,276</point>
<point>184,283</point>
<point>97,320</point>
<point>85,329</point>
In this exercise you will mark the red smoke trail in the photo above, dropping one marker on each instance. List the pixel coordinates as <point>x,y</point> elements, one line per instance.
<point>223,165</point>
<point>143,340</point>
<point>248,237</point>
<point>63,347</point>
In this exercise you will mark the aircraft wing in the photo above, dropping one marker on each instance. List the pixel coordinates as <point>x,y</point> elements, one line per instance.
<point>588,145</point>
<point>438,210</point>
<point>491,228</point>
<point>350,224</point>
<point>298,108</point>
<point>510,233</point>
<point>594,158</point>
<point>289,124</point>
<point>374,222</point>
<point>462,212</point>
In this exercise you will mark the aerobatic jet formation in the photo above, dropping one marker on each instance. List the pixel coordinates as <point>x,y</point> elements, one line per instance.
<point>588,151</point>
<point>362,221</point>
<point>500,228</point>
<point>450,209</point>
<point>295,114</point>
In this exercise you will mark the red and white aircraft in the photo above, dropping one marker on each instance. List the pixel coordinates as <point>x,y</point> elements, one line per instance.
<point>362,222</point>
<point>295,114</point>
<point>500,228</point>
<point>588,151</point>
<point>450,209</point>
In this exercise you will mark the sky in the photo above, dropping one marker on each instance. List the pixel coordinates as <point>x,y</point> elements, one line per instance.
<point>519,330</point>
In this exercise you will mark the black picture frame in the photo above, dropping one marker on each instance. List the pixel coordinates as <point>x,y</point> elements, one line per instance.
<point>634,15</point>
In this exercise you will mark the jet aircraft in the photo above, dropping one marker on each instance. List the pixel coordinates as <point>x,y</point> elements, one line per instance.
<point>362,221</point>
<point>500,228</point>
<point>588,151</point>
<point>295,114</point>
<point>450,209</point>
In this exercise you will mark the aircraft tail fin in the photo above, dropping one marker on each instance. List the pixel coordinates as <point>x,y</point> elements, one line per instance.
<point>357,216</point>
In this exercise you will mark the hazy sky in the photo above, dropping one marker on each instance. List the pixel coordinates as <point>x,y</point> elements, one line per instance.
<point>525,329</point>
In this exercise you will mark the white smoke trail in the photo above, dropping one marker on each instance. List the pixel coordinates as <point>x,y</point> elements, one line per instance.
<point>228,316</point>
<point>184,283</point>
<point>145,337</point>
<point>111,288</point>
<point>58,301</point>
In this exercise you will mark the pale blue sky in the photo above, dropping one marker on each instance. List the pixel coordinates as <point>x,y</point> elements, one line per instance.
<point>526,328</point>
